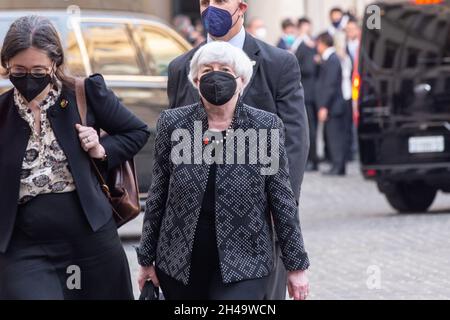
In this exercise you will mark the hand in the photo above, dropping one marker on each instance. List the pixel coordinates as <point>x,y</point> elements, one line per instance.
<point>146,274</point>
<point>90,142</point>
<point>323,114</point>
<point>298,285</point>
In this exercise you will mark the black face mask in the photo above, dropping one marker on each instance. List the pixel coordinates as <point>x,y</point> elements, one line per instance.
<point>218,87</point>
<point>30,87</point>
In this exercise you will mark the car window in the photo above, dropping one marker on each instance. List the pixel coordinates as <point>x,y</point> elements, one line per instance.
<point>159,48</point>
<point>110,49</point>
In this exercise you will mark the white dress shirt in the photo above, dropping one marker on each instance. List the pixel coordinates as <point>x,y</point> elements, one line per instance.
<point>237,41</point>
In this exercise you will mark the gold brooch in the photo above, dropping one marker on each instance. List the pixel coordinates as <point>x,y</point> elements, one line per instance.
<point>64,103</point>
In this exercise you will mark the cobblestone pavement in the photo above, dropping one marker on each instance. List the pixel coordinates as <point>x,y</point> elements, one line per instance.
<point>360,248</point>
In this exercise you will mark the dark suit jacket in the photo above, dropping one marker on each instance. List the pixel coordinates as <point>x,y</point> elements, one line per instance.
<point>282,44</point>
<point>305,56</point>
<point>329,87</point>
<point>275,87</point>
<point>127,135</point>
<point>244,198</point>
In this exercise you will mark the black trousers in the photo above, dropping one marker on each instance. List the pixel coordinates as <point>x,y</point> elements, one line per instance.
<point>205,281</point>
<point>55,255</point>
<point>313,122</point>
<point>337,141</point>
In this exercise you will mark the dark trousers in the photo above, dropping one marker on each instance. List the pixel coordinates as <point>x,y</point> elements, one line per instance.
<point>52,242</point>
<point>205,281</point>
<point>313,121</point>
<point>349,129</point>
<point>337,141</point>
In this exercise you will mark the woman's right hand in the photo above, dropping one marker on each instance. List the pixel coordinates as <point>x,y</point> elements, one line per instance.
<point>146,274</point>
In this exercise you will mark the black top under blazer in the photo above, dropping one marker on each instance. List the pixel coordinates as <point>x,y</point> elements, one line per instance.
<point>275,87</point>
<point>127,135</point>
<point>244,201</point>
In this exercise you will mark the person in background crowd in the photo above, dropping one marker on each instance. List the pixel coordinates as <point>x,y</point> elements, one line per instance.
<point>257,28</point>
<point>331,104</point>
<point>289,36</point>
<point>338,20</point>
<point>353,33</point>
<point>184,26</point>
<point>304,34</point>
<point>305,54</point>
<point>275,87</point>
<point>347,73</point>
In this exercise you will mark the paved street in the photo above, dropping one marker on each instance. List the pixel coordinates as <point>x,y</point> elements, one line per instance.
<point>360,248</point>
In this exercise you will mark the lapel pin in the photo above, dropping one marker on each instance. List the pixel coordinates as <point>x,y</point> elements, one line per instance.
<point>64,103</point>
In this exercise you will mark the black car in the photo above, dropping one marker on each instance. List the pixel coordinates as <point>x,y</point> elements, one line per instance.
<point>132,51</point>
<point>404,102</point>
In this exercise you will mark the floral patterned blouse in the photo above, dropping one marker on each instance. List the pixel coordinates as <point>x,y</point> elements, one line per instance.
<point>45,168</point>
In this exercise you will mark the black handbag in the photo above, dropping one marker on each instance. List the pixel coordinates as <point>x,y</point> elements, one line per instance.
<point>149,292</point>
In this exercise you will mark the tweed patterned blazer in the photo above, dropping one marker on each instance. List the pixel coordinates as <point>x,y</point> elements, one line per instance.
<point>247,203</point>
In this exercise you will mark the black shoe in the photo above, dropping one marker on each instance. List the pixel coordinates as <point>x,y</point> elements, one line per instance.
<point>312,167</point>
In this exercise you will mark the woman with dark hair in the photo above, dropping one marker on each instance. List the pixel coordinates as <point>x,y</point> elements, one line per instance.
<point>58,239</point>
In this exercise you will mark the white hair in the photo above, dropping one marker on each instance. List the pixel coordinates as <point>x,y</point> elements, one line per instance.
<point>225,54</point>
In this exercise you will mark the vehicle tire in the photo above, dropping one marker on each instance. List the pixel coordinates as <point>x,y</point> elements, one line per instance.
<point>411,197</point>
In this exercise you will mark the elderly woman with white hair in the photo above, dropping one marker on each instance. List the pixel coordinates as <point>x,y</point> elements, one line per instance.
<point>207,232</point>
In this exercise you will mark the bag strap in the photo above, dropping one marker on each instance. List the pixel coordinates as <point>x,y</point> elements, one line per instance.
<point>80,93</point>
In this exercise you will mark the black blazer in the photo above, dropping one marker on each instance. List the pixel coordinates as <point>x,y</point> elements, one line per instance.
<point>244,198</point>
<point>127,135</point>
<point>305,56</point>
<point>329,87</point>
<point>275,87</point>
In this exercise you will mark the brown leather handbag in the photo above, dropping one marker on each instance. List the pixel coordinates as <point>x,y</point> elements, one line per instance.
<point>121,186</point>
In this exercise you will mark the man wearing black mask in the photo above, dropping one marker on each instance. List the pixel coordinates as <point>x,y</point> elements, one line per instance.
<point>275,87</point>
<point>338,21</point>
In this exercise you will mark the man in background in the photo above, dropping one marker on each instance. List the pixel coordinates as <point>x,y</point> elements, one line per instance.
<point>353,34</point>
<point>331,104</point>
<point>289,36</point>
<point>338,20</point>
<point>305,54</point>
<point>257,28</point>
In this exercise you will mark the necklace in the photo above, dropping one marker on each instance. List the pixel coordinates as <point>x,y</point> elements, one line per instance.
<point>208,140</point>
